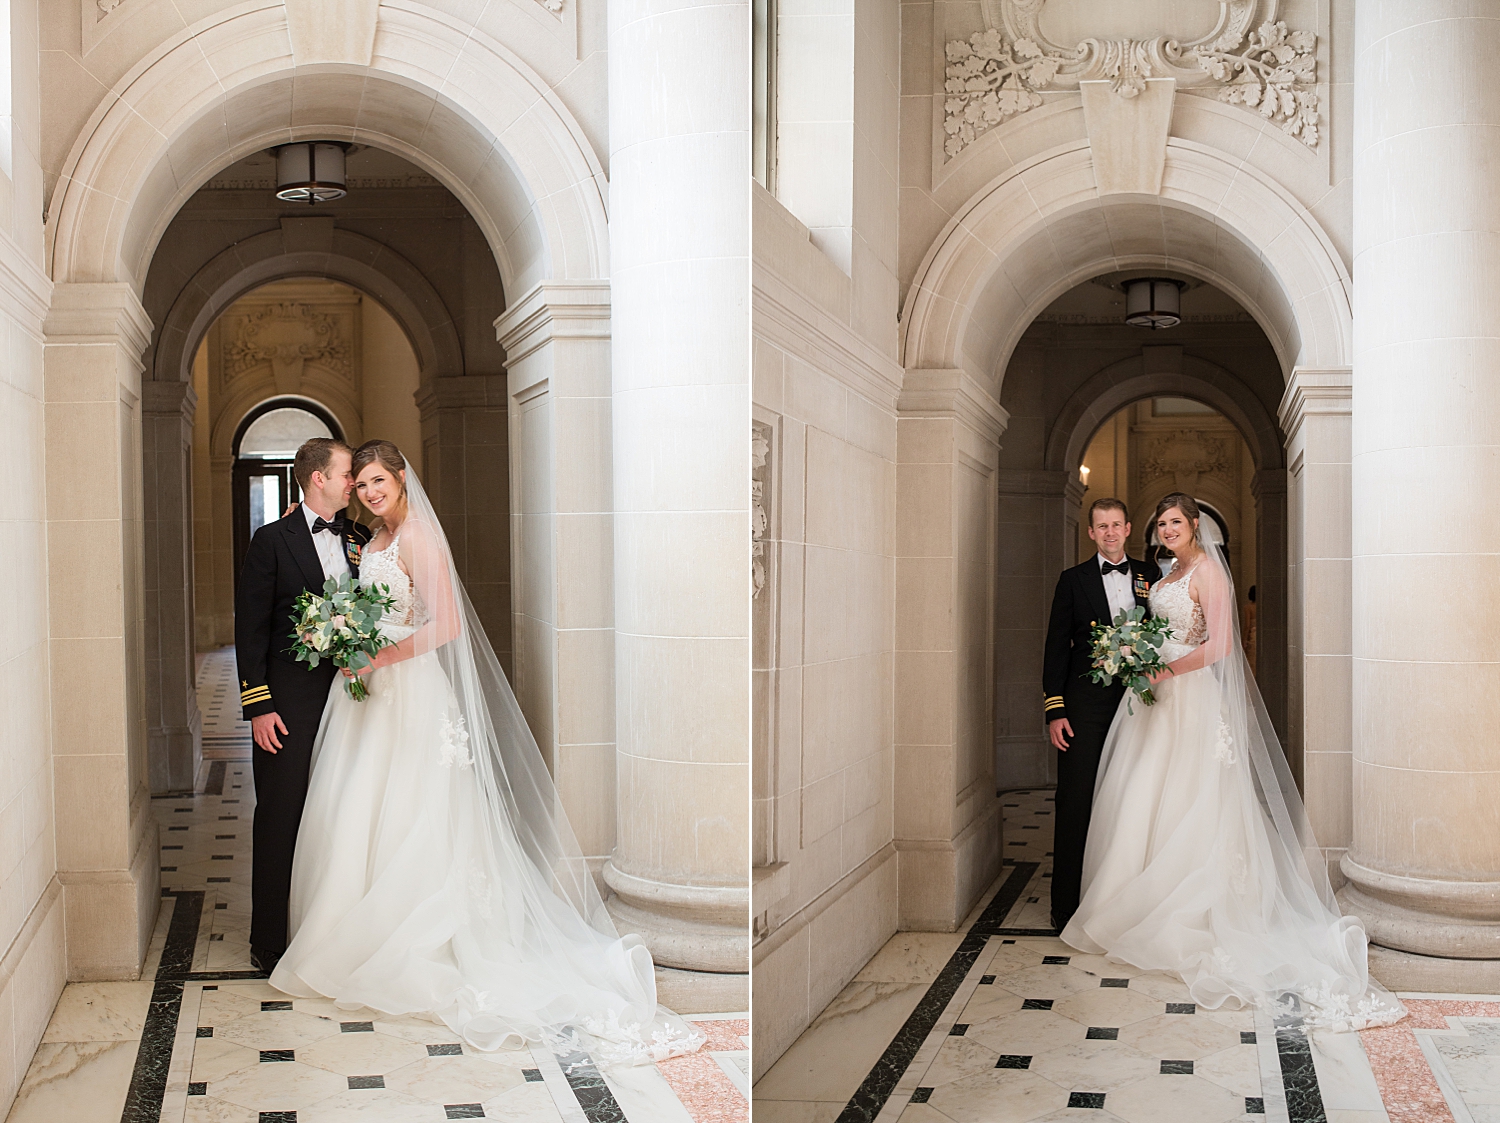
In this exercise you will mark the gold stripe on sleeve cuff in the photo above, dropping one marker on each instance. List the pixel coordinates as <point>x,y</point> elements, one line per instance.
<point>1054,706</point>
<point>255,694</point>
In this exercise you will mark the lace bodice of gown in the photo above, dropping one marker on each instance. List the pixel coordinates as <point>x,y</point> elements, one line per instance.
<point>1173,600</point>
<point>383,567</point>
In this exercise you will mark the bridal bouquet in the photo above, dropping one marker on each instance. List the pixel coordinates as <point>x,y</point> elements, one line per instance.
<point>343,626</point>
<point>1130,650</point>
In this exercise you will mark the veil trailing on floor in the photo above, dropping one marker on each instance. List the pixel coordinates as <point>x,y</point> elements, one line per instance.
<point>537,950</point>
<point>1233,892</point>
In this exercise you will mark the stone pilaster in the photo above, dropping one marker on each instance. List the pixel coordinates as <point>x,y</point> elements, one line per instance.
<point>1037,536</point>
<point>1315,415</point>
<point>947,830</point>
<point>680,343</point>
<point>465,469</point>
<point>1426,556</point>
<point>106,836</point>
<point>556,340</point>
<point>175,727</point>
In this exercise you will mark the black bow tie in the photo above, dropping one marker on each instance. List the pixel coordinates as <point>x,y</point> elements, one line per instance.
<point>1105,567</point>
<point>336,527</point>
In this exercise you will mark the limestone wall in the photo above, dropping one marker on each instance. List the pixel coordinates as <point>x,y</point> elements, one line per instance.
<point>53,470</point>
<point>824,618</point>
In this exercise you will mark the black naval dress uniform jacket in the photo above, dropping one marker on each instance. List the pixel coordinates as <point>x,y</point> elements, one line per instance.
<point>1078,604</point>
<point>280,563</point>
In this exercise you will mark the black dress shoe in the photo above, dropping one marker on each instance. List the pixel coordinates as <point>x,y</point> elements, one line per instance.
<point>264,960</point>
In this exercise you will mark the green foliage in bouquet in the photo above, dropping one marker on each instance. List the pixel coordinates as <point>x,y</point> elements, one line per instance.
<point>1130,650</point>
<point>342,626</point>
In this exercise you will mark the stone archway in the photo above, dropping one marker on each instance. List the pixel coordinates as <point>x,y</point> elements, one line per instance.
<point>305,248</point>
<point>466,110</point>
<point>1122,383</point>
<point>1031,234</point>
<point>1040,229</point>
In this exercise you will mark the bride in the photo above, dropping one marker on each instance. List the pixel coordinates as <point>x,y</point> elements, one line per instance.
<point>435,871</point>
<point>1199,859</point>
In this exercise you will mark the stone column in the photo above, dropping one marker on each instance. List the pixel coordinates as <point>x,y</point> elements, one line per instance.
<point>1315,415</point>
<point>947,817</point>
<point>556,341</point>
<point>174,739</point>
<point>679,131</point>
<point>1426,840</point>
<point>106,835</point>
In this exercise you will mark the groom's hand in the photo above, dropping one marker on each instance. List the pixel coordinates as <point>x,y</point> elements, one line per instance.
<point>263,729</point>
<point>1058,731</point>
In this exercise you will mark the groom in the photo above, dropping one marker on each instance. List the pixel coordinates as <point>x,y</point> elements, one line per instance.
<point>1079,710</point>
<point>282,698</point>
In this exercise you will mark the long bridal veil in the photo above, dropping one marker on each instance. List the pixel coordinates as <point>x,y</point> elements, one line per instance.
<point>538,952</point>
<point>1263,925</point>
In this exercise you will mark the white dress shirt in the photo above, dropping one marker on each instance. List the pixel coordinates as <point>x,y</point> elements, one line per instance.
<point>330,548</point>
<point>1116,588</point>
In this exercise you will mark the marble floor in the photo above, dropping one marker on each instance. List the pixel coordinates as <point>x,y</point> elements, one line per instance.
<point>202,1038</point>
<point>1000,1022</point>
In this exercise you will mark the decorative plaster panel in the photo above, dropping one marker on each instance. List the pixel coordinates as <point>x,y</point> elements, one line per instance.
<point>995,74</point>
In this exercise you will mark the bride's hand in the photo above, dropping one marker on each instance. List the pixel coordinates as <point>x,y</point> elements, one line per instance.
<point>1156,676</point>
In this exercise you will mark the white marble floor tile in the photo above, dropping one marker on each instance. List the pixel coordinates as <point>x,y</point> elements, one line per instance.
<point>209,1109</point>
<point>280,1030</point>
<point>835,1053</point>
<point>999,1096</point>
<point>1107,1006</point>
<point>80,1082</point>
<point>375,1106</point>
<point>526,1103</point>
<point>1344,1075</point>
<point>1028,1031</point>
<point>1159,1098</point>
<point>277,1086</point>
<point>1236,1068</point>
<point>100,1012</point>
<point>1094,1066</point>
<point>910,957</point>
<point>808,1111</point>
<point>464,1079</point>
<point>1184,1037</point>
<point>364,1054</point>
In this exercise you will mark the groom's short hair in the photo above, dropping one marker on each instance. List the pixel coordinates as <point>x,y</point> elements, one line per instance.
<point>314,456</point>
<point>1108,505</point>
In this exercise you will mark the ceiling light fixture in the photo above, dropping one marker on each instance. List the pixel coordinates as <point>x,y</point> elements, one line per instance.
<point>1154,303</point>
<point>311,172</point>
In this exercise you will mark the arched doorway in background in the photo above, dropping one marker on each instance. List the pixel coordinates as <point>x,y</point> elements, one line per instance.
<point>265,444</point>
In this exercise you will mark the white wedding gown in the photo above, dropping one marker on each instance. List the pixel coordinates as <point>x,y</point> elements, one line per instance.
<point>1198,861</point>
<point>408,898</point>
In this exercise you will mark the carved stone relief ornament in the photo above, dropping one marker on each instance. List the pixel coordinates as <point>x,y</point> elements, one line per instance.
<point>760,451</point>
<point>553,6</point>
<point>997,73</point>
<point>287,335</point>
<point>1186,455</point>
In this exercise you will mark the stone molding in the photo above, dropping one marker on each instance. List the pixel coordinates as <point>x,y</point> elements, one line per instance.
<point>953,393</point>
<point>464,391</point>
<point>778,936</point>
<point>1328,392</point>
<point>553,310</point>
<point>1443,918</point>
<point>164,399</point>
<point>785,318</point>
<point>998,73</point>
<point>690,927</point>
<point>98,312</point>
